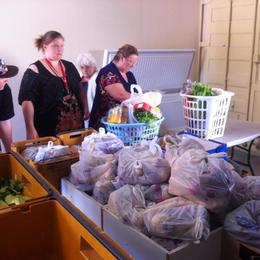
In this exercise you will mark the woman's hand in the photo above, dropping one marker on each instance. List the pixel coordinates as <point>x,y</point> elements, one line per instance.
<point>31,133</point>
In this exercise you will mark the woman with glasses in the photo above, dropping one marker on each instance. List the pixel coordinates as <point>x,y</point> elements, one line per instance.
<point>50,93</point>
<point>113,83</point>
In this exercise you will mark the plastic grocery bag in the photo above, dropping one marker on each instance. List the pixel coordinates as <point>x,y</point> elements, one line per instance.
<point>253,187</point>
<point>127,203</point>
<point>51,151</point>
<point>90,168</point>
<point>107,143</point>
<point>143,164</point>
<point>157,192</point>
<point>102,190</point>
<point>244,223</point>
<point>177,218</point>
<point>175,147</point>
<point>206,179</point>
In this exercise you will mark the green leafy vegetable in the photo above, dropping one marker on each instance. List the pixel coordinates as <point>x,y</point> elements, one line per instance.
<point>200,89</point>
<point>11,192</point>
<point>144,116</point>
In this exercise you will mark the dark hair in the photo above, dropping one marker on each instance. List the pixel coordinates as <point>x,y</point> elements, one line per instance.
<point>125,51</point>
<point>47,38</point>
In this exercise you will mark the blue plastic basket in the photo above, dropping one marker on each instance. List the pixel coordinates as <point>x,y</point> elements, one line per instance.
<point>134,133</point>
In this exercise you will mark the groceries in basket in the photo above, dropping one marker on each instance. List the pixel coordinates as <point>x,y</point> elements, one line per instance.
<point>205,109</point>
<point>143,117</point>
<point>197,89</point>
<point>140,107</point>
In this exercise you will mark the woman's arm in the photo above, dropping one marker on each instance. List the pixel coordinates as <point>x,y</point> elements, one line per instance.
<point>28,113</point>
<point>117,92</point>
<point>6,134</point>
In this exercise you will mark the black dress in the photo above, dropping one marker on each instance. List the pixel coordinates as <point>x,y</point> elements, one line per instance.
<point>53,113</point>
<point>103,101</point>
<point>6,104</point>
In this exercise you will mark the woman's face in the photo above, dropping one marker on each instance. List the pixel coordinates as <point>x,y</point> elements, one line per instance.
<point>87,71</point>
<point>54,50</point>
<point>129,62</point>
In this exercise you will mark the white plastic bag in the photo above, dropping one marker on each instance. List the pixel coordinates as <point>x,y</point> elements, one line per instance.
<point>143,164</point>
<point>177,218</point>
<point>206,179</point>
<point>127,203</point>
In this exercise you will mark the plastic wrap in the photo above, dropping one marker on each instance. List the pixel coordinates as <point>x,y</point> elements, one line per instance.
<point>102,190</point>
<point>143,164</point>
<point>244,223</point>
<point>177,218</point>
<point>127,204</point>
<point>207,180</point>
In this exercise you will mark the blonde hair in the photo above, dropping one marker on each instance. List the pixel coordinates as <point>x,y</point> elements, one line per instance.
<point>86,60</point>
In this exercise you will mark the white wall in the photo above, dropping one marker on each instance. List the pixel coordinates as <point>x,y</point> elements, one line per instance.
<point>92,25</point>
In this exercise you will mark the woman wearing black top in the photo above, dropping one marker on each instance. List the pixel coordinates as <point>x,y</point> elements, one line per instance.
<point>113,83</point>
<point>6,104</point>
<point>50,93</point>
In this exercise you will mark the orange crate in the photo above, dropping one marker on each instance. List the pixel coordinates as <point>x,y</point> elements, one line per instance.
<point>19,147</point>
<point>13,169</point>
<point>75,137</point>
<point>46,230</point>
<point>53,169</point>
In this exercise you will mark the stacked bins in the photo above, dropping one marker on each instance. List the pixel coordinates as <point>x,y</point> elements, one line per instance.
<point>75,137</point>
<point>54,169</point>
<point>44,228</point>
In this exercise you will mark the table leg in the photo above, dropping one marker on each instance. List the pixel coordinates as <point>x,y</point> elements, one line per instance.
<point>248,151</point>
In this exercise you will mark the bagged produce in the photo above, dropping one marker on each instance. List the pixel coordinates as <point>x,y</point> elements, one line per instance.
<point>45,152</point>
<point>143,164</point>
<point>127,203</point>
<point>253,187</point>
<point>206,179</point>
<point>244,223</point>
<point>90,168</point>
<point>175,147</point>
<point>105,142</point>
<point>102,190</point>
<point>157,192</point>
<point>177,218</point>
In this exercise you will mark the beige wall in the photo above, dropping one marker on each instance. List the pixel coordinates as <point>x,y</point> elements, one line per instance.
<point>92,25</point>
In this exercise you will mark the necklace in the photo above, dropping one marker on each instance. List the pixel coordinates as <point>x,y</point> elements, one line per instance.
<point>63,73</point>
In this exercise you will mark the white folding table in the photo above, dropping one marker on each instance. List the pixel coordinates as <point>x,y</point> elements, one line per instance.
<point>238,132</point>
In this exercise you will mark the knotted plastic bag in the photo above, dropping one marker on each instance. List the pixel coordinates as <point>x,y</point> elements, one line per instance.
<point>206,179</point>
<point>177,218</point>
<point>244,223</point>
<point>143,164</point>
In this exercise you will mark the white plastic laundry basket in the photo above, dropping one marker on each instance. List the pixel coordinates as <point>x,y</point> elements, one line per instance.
<point>206,116</point>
